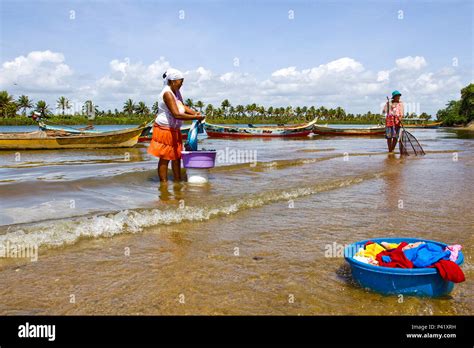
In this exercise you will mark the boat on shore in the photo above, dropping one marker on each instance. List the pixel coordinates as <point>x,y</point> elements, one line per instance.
<point>420,123</point>
<point>66,129</point>
<point>219,131</point>
<point>370,131</point>
<point>60,139</point>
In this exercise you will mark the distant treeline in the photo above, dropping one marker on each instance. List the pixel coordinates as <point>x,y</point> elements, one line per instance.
<point>15,111</point>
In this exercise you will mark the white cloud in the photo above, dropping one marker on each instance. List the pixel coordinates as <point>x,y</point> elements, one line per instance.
<point>410,63</point>
<point>342,82</point>
<point>39,70</point>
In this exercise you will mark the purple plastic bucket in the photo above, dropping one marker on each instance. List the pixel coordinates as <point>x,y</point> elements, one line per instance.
<point>199,159</point>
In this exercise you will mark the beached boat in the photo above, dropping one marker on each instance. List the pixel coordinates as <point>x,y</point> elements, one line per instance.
<point>66,129</point>
<point>370,131</point>
<point>148,132</point>
<point>219,131</point>
<point>59,139</point>
<point>420,123</point>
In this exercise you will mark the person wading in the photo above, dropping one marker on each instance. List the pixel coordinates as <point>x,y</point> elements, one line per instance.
<point>167,142</point>
<point>394,111</point>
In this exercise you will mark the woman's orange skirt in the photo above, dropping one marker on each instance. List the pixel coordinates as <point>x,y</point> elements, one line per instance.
<point>166,143</point>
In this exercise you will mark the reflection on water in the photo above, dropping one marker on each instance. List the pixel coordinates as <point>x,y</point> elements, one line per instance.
<point>238,245</point>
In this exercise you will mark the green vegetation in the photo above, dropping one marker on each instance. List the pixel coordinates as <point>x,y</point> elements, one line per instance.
<point>459,112</point>
<point>456,112</point>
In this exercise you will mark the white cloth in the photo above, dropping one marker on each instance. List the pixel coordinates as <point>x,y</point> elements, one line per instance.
<point>165,117</point>
<point>172,74</point>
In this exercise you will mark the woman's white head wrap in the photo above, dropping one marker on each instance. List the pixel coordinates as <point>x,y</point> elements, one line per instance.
<point>172,74</point>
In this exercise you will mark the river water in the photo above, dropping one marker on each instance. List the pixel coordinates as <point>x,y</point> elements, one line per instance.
<point>254,240</point>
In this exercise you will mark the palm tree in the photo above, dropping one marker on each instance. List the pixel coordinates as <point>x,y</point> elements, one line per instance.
<point>340,113</point>
<point>298,111</point>
<point>199,105</point>
<point>129,106</point>
<point>251,108</point>
<point>42,108</point>
<point>155,108</point>
<point>89,108</point>
<point>270,111</point>
<point>225,104</point>
<point>189,102</point>
<point>5,101</point>
<point>311,114</point>
<point>210,110</point>
<point>240,109</point>
<point>63,104</point>
<point>142,109</point>
<point>24,103</point>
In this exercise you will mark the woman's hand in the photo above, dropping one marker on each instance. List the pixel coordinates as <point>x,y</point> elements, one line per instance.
<point>199,117</point>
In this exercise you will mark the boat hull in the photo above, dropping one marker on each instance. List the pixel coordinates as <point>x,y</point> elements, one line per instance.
<point>44,141</point>
<point>428,126</point>
<point>218,131</point>
<point>378,131</point>
<point>243,135</point>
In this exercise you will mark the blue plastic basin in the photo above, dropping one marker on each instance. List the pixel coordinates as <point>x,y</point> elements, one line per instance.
<point>389,281</point>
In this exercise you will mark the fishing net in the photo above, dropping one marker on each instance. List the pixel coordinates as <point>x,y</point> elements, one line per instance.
<point>409,145</point>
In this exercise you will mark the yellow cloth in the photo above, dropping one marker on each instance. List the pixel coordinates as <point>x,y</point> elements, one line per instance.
<point>371,250</point>
<point>390,246</point>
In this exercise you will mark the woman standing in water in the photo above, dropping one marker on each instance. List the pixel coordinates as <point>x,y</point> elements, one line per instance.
<point>167,142</point>
<point>394,111</point>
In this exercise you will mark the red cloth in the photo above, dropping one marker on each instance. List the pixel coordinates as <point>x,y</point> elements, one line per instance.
<point>397,256</point>
<point>449,270</point>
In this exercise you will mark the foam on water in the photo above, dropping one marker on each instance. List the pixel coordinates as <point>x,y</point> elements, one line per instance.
<point>55,233</point>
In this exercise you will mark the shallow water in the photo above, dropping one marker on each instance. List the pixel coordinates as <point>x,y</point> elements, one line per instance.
<point>252,241</point>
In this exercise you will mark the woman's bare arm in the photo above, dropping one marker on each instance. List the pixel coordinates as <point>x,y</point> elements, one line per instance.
<point>173,108</point>
<point>190,111</point>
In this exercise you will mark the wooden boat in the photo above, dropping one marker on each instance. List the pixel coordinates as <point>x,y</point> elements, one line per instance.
<point>50,127</point>
<point>218,131</point>
<point>148,132</point>
<point>420,123</point>
<point>51,139</point>
<point>145,136</point>
<point>371,131</point>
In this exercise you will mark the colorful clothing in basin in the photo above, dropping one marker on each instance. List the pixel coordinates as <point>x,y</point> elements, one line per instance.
<point>371,250</point>
<point>449,271</point>
<point>454,249</point>
<point>394,258</point>
<point>427,254</point>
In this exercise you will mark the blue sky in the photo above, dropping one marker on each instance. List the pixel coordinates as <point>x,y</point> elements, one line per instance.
<point>259,33</point>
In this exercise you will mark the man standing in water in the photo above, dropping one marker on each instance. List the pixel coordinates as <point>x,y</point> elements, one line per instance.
<point>394,111</point>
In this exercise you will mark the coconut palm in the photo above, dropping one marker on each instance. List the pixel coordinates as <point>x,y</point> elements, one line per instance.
<point>42,107</point>
<point>240,109</point>
<point>89,108</point>
<point>210,110</point>
<point>24,103</point>
<point>225,104</point>
<point>199,104</point>
<point>189,103</point>
<point>5,102</point>
<point>63,104</point>
<point>155,108</point>
<point>142,109</point>
<point>129,107</point>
